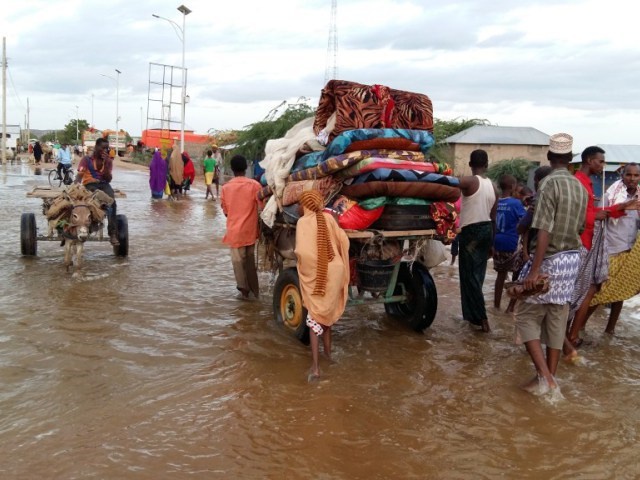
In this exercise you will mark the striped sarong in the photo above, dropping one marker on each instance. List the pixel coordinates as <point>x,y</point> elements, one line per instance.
<point>562,269</point>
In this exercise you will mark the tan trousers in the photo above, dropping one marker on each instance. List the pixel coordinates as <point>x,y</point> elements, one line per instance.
<point>244,267</point>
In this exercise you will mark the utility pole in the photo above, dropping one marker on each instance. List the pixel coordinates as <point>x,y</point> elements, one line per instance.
<point>4,100</point>
<point>28,128</point>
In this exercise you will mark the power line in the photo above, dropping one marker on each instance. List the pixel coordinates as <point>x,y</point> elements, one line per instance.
<point>15,92</point>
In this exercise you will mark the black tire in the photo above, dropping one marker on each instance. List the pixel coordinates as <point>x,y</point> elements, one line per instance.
<point>28,234</point>
<point>52,179</point>
<point>122,250</point>
<point>287,305</point>
<point>431,294</point>
<point>415,310</point>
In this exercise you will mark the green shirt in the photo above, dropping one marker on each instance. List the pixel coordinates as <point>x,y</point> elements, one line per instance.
<point>209,164</point>
<point>561,209</point>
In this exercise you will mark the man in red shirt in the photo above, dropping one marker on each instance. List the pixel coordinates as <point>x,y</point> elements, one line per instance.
<point>239,198</point>
<point>589,276</point>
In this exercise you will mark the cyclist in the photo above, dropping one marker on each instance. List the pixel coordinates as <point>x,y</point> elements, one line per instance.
<point>64,161</point>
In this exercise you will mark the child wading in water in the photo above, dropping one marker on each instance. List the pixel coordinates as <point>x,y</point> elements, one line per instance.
<point>322,250</point>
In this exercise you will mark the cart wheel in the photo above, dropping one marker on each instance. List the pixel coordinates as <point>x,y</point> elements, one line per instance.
<point>413,308</point>
<point>287,304</point>
<point>28,234</point>
<point>122,250</point>
<point>431,294</point>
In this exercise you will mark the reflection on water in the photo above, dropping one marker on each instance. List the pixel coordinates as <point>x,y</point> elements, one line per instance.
<point>149,366</point>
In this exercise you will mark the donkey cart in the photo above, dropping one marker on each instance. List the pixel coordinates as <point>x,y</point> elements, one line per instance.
<point>61,227</point>
<point>394,276</point>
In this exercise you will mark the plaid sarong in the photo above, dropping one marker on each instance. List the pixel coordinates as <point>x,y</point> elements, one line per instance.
<point>594,269</point>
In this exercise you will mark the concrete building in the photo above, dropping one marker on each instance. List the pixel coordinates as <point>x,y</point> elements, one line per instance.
<point>501,143</point>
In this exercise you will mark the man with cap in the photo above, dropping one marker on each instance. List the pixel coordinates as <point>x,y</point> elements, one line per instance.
<point>239,200</point>
<point>594,267</point>
<point>559,218</point>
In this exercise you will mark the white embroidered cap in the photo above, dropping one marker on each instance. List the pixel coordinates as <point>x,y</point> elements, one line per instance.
<point>560,143</point>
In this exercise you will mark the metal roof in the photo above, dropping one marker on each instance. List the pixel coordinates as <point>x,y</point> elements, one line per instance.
<point>616,154</point>
<point>492,134</point>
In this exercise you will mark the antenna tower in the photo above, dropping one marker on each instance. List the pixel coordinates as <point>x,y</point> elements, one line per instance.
<point>331,62</point>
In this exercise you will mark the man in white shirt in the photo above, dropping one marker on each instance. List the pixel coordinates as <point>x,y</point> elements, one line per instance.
<point>622,248</point>
<point>477,223</point>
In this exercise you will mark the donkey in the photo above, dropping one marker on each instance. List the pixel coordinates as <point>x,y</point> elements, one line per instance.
<point>76,233</point>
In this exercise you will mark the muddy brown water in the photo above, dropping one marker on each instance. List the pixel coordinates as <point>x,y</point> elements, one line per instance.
<point>148,367</point>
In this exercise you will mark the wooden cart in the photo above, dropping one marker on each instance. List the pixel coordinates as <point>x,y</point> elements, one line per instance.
<point>30,233</point>
<point>408,291</point>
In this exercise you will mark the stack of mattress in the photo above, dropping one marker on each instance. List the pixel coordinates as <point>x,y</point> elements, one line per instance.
<point>376,154</point>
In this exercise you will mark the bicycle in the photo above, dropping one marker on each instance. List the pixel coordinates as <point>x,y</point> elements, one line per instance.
<point>56,181</point>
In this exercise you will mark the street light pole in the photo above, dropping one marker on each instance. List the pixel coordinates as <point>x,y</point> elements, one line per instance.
<point>117,111</point>
<point>185,11</point>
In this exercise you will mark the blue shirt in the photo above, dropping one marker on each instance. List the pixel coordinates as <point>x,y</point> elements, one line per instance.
<point>508,214</point>
<point>64,156</point>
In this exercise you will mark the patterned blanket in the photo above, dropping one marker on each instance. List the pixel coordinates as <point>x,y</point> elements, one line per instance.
<point>341,143</point>
<point>375,163</point>
<point>371,106</point>
<point>338,162</point>
<point>402,175</point>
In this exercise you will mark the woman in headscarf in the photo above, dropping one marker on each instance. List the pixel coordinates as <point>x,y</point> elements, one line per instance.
<point>188,173</point>
<point>322,250</point>
<point>157,175</point>
<point>176,169</point>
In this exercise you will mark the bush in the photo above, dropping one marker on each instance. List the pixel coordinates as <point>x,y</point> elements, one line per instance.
<point>518,167</point>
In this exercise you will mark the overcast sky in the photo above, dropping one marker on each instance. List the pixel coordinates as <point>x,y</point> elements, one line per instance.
<point>571,65</point>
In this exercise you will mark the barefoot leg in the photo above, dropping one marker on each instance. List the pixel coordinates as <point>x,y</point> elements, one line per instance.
<point>534,348</point>
<point>616,308</point>
<point>315,368</point>
<point>580,320</point>
<point>326,342</point>
<point>497,294</point>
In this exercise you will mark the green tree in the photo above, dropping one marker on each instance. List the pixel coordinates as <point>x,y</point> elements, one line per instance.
<point>443,129</point>
<point>251,142</point>
<point>518,167</point>
<point>68,133</point>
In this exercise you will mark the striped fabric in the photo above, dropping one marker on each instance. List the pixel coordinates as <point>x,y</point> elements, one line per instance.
<point>562,269</point>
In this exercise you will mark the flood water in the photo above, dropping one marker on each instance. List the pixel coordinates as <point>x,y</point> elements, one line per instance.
<point>149,367</point>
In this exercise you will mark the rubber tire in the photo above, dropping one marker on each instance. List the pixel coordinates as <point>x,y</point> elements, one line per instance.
<point>28,234</point>
<point>431,294</point>
<point>413,310</point>
<point>52,179</point>
<point>122,250</point>
<point>287,305</point>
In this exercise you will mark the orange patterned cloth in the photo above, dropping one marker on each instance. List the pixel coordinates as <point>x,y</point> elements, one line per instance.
<point>322,250</point>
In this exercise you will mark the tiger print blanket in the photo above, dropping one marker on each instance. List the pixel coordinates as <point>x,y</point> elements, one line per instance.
<point>371,106</point>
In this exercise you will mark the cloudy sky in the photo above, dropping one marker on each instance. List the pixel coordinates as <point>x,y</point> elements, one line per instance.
<point>565,65</point>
